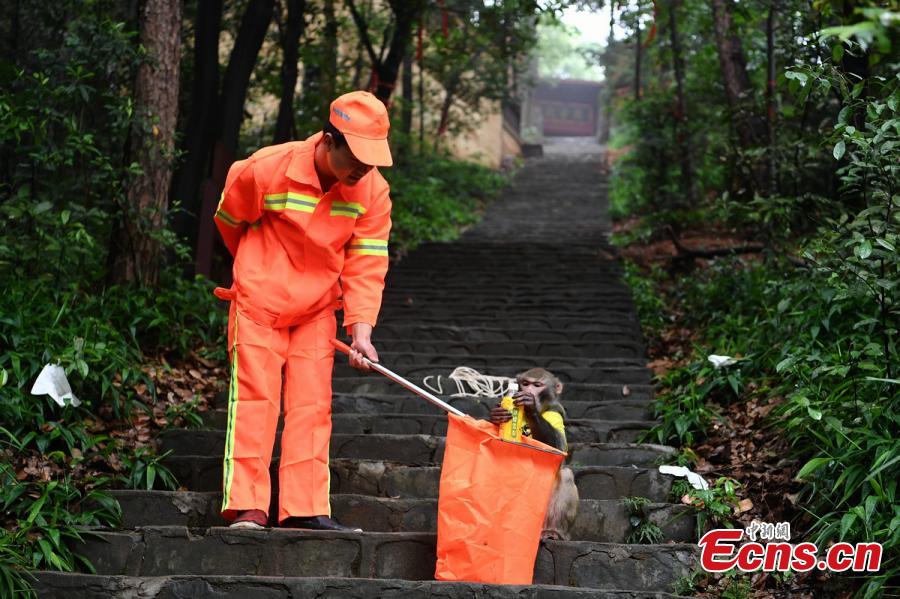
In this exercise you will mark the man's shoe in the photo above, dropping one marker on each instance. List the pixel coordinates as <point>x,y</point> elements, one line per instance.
<point>316,523</point>
<point>250,519</point>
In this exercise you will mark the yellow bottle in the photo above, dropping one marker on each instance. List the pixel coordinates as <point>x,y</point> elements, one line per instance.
<point>511,430</point>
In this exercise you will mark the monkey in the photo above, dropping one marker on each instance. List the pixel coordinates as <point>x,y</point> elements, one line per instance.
<point>539,392</point>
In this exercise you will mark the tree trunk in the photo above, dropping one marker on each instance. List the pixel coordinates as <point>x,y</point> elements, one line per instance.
<point>386,69</point>
<point>421,85</point>
<point>682,144</point>
<point>749,126</point>
<point>610,87</point>
<point>750,129</point>
<point>855,65</point>
<point>137,252</point>
<point>637,58</point>
<point>198,135</point>
<point>406,13</point>
<point>249,40</point>
<point>406,113</point>
<point>449,95</point>
<point>329,59</point>
<point>285,128</point>
<point>770,96</point>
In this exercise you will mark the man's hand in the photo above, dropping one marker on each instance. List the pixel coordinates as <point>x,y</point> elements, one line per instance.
<point>362,347</point>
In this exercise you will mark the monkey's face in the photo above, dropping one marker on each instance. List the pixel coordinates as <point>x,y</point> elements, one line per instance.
<point>536,387</point>
<point>539,389</point>
<point>541,385</point>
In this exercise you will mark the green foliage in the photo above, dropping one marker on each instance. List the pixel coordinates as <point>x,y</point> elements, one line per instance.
<point>714,505</point>
<point>650,305</point>
<point>819,331</point>
<point>65,113</point>
<point>98,336</point>
<point>479,58</point>
<point>435,197</point>
<point>642,529</point>
<point>559,54</point>
<point>142,469</point>
<point>40,522</point>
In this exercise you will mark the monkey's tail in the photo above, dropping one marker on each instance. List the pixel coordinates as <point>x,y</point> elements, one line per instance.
<point>469,381</point>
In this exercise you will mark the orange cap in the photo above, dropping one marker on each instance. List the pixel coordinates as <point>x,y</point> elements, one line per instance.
<point>363,120</point>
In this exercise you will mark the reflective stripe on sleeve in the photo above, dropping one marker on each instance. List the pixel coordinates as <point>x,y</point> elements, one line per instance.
<point>291,200</point>
<point>227,218</point>
<point>368,247</point>
<point>350,209</point>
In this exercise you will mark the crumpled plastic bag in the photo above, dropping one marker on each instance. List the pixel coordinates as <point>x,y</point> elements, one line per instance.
<point>52,381</point>
<point>721,361</point>
<point>491,505</point>
<point>697,481</point>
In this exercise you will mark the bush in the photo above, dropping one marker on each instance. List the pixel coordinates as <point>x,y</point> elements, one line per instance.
<point>436,197</point>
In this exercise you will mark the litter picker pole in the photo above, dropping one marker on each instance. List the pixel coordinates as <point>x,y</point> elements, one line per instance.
<point>400,380</point>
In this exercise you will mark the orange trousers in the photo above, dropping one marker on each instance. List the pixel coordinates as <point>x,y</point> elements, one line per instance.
<point>266,364</point>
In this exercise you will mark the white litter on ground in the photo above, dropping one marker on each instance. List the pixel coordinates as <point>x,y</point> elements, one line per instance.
<point>695,479</point>
<point>52,381</point>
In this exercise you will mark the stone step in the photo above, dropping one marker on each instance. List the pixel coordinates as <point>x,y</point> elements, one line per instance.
<point>578,430</point>
<point>521,335</point>
<point>492,248</point>
<point>613,412</point>
<point>622,346</point>
<point>598,520</point>
<point>510,296</point>
<point>172,550</point>
<point>490,307</point>
<point>621,309</point>
<point>625,409</point>
<point>524,290</point>
<point>504,258</point>
<point>412,449</point>
<point>67,585</point>
<point>387,479</point>
<point>394,399</point>
<point>375,384</point>
<point>610,274</point>
<point>542,322</point>
<point>540,254</point>
<point>413,359</point>
<point>633,374</point>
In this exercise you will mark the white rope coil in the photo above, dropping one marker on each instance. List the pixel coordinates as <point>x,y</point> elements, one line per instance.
<point>469,381</point>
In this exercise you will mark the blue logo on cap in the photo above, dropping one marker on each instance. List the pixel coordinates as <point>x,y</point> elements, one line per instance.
<point>342,114</point>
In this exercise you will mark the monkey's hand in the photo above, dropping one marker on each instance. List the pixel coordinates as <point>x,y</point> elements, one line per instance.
<point>526,400</point>
<point>500,415</point>
<point>362,347</point>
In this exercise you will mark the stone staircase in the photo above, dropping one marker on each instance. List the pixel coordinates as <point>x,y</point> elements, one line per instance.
<point>534,284</point>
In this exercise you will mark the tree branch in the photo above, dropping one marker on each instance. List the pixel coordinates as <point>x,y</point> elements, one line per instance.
<point>684,251</point>
<point>363,33</point>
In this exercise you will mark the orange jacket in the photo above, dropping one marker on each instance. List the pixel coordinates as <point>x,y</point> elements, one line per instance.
<point>295,249</point>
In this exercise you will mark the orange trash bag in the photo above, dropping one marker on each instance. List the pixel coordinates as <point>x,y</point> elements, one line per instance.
<point>492,502</point>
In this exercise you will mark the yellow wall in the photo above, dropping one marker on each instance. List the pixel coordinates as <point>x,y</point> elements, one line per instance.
<point>490,142</point>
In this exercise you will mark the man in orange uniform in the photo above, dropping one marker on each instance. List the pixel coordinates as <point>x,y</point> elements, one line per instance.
<point>307,223</point>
